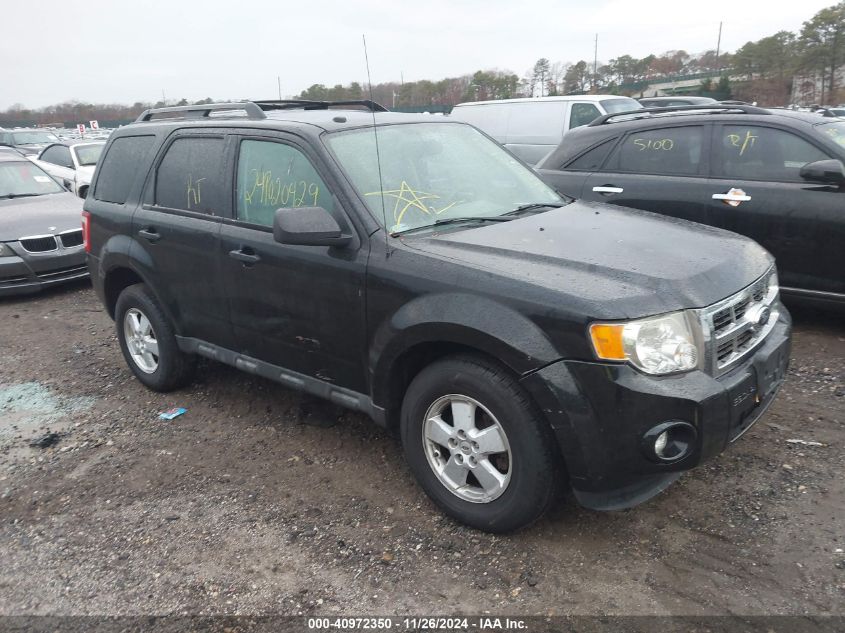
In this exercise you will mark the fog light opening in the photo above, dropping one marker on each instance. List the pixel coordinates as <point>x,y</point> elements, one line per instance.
<point>669,442</point>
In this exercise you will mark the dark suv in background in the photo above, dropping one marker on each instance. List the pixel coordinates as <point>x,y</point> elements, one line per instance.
<point>516,340</point>
<point>776,176</point>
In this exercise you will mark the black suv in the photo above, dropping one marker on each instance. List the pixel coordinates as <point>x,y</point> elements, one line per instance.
<point>409,267</point>
<point>776,176</point>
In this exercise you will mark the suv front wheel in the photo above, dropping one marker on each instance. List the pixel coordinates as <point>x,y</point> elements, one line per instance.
<point>148,342</point>
<point>477,445</point>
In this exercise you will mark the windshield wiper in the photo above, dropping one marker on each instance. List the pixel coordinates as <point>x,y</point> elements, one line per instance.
<point>442,221</point>
<point>535,205</point>
<point>20,195</point>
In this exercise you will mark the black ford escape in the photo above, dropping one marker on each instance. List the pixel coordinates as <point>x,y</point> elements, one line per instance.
<point>419,273</point>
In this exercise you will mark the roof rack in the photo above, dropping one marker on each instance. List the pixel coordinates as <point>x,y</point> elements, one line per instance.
<point>308,104</point>
<point>715,108</point>
<point>202,111</point>
<point>253,109</point>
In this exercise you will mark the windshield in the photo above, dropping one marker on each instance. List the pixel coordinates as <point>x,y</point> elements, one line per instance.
<point>834,130</point>
<point>624,104</point>
<point>31,138</point>
<point>22,178</point>
<point>88,154</point>
<point>435,171</point>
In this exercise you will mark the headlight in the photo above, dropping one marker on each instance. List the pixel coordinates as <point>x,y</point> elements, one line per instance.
<point>5,251</point>
<point>657,345</point>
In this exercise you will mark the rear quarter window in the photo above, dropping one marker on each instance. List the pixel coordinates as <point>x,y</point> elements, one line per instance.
<point>118,170</point>
<point>592,159</point>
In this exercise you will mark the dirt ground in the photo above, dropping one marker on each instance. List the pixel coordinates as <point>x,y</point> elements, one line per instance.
<point>251,503</point>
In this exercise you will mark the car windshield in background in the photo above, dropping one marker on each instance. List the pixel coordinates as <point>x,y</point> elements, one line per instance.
<point>22,178</point>
<point>835,130</point>
<point>33,138</point>
<point>435,171</point>
<point>88,154</point>
<point>612,106</point>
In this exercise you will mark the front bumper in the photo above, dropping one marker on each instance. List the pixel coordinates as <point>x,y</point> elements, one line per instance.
<point>26,274</point>
<point>600,413</point>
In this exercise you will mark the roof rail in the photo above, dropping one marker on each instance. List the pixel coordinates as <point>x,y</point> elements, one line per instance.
<point>203,111</point>
<point>308,104</point>
<point>715,108</point>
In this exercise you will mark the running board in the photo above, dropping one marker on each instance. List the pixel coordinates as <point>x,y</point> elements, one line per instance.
<point>291,379</point>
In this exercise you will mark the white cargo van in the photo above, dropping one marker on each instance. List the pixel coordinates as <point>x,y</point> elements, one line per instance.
<point>531,128</point>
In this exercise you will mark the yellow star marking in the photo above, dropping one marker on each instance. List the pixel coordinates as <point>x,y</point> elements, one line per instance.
<point>412,200</point>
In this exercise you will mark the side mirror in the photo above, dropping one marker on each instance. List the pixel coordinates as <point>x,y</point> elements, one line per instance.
<point>309,226</point>
<point>831,172</point>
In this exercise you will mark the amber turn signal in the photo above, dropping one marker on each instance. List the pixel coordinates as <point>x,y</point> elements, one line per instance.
<point>607,340</point>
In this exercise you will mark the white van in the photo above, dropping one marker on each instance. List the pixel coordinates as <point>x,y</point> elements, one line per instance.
<point>531,128</point>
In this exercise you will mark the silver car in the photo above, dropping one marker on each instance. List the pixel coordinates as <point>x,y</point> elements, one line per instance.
<point>41,240</point>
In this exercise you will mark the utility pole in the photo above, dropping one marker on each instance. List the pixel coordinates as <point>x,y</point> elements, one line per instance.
<point>279,81</point>
<point>163,100</point>
<point>596,61</point>
<point>718,47</point>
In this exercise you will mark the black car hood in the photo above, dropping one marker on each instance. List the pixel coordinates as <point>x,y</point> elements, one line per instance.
<point>608,261</point>
<point>39,215</point>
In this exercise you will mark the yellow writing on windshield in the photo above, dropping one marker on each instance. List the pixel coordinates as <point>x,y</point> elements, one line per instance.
<point>408,198</point>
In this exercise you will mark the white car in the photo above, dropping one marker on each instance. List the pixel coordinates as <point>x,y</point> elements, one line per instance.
<point>71,164</point>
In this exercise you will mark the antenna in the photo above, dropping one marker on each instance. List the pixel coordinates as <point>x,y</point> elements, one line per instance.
<point>378,154</point>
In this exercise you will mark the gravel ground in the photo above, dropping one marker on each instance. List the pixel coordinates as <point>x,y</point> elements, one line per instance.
<point>257,502</point>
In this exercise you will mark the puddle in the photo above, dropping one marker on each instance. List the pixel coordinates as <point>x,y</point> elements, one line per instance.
<point>29,406</point>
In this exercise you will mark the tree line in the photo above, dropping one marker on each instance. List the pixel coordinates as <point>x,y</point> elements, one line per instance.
<point>761,71</point>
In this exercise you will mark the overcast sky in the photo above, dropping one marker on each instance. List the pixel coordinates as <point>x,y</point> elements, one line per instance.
<point>118,51</point>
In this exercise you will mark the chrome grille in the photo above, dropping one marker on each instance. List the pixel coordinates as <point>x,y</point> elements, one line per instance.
<point>39,243</point>
<point>733,324</point>
<point>71,238</point>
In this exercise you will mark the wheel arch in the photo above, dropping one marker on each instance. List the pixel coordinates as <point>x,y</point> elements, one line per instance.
<point>432,327</point>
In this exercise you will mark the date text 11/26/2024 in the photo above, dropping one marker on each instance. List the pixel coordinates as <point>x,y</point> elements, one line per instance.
<point>422,623</point>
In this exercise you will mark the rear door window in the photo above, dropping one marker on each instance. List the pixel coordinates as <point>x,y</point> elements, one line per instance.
<point>669,151</point>
<point>749,152</point>
<point>190,176</point>
<point>117,172</point>
<point>273,175</point>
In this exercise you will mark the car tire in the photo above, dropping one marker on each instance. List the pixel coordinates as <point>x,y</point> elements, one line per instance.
<point>502,491</point>
<point>148,342</point>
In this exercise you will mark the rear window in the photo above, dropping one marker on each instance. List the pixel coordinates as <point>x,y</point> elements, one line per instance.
<point>120,167</point>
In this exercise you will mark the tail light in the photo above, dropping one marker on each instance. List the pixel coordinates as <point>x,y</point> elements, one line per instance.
<point>86,230</point>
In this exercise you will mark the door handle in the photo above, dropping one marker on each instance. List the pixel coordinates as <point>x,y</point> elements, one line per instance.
<point>608,190</point>
<point>732,196</point>
<point>247,257</point>
<point>150,235</point>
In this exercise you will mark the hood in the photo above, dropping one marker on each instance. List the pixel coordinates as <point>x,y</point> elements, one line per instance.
<point>607,261</point>
<point>39,215</point>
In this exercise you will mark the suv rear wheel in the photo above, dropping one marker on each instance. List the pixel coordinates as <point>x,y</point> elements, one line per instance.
<point>148,342</point>
<point>477,445</point>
